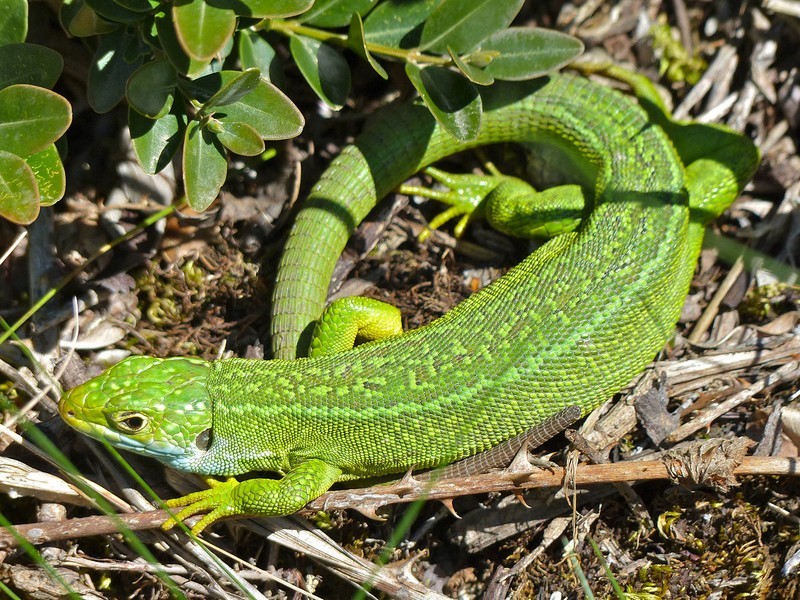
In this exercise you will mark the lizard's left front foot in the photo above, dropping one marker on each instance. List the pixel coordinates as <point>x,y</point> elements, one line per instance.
<point>217,500</point>
<point>256,497</point>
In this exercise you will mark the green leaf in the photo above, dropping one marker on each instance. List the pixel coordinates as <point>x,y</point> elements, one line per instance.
<point>204,166</point>
<point>335,13</point>
<point>151,88</point>
<point>453,101</point>
<point>80,20</point>
<point>272,9</point>
<point>109,71</point>
<point>527,52</point>
<point>324,69</point>
<point>113,11</point>
<point>266,109</point>
<point>463,24</point>
<point>182,62</point>
<point>13,21</point>
<point>471,72</point>
<point>51,179</point>
<point>357,42</point>
<point>239,84</point>
<point>255,52</point>
<point>202,29</point>
<point>398,23</point>
<point>31,118</point>
<point>155,142</point>
<point>240,138</point>
<point>142,6</point>
<point>29,63</point>
<point>19,196</point>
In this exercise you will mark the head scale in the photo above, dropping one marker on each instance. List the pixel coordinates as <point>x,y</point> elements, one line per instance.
<point>151,406</point>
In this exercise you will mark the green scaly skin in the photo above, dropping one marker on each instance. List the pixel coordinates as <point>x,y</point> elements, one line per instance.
<point>570,325</point>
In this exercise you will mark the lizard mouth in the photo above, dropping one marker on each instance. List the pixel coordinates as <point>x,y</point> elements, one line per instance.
<point>79,413</point>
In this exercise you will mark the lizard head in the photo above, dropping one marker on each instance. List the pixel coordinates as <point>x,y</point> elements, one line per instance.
<point>151,406</point>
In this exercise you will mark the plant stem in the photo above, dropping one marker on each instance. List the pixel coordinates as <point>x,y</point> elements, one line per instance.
<point>289,28</point>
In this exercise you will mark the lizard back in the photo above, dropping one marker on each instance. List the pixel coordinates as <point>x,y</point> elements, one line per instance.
<point>571,324</point>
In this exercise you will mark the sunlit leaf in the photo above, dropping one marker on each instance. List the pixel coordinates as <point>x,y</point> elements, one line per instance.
<point>13,21</point>
<point>182,62</point>
<point>240,138</point>
<point>357,42</point>
<point>202,29</point>
<point>238,85</point>
<point>51,179</point>
<point>267,110</point>
<point>463,24</point>
<point>19,196</point>
<point>255,51</point>
<point>471,72</point>
<point>398,23</point>
<point>527,52</point>
<point>204,166</point>
<point>31,118</point>
<point>272,9</point>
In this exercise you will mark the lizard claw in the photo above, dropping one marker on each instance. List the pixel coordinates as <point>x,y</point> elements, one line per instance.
<point>448,504</point>
<point>521,499</point>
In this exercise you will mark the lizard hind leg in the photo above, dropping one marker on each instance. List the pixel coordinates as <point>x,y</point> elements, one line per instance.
<point>348,321</point>
<point>464,196</point>
<point>516,209</point>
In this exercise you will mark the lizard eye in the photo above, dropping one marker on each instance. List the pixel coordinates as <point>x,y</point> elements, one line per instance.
<point>130,422</point>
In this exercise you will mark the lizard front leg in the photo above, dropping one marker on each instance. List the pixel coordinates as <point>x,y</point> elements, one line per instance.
<point>256,497</point>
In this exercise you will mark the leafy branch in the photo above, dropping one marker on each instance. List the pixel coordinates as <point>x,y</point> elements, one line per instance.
<point>205,77</point>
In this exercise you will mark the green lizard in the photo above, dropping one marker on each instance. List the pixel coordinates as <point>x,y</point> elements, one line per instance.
<point>570,325</point>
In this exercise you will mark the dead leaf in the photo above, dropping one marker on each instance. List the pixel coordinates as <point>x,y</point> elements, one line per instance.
<point>708,462</point>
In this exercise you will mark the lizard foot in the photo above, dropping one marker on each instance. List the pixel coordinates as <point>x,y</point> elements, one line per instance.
<point>217,500</point>
<point>257,497</point>
<point>464,197</point>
